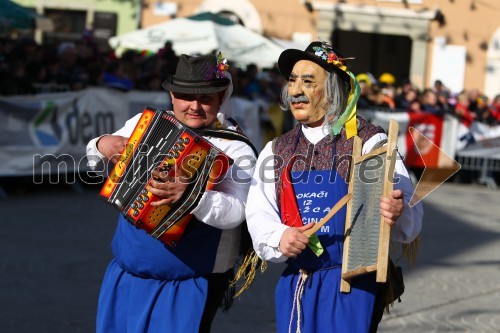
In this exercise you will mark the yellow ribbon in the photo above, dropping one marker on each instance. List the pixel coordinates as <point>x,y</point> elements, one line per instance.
<point>348,118</point>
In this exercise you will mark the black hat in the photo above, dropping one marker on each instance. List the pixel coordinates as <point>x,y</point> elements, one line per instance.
<point>318,52</point>
<point>198,75</point>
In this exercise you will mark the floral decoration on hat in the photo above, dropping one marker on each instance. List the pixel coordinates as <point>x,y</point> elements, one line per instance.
<point>222,66</point>
<point>326,53</point>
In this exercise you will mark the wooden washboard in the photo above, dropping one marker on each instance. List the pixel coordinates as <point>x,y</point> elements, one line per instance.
<point>367,236</point>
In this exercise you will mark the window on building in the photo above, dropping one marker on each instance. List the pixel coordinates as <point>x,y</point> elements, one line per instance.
<point>68,25</point>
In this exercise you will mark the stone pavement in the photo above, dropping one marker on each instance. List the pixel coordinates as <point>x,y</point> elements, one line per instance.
<point>54,248</point>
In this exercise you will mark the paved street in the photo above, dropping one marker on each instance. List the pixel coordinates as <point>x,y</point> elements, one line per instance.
<point>54,249</point>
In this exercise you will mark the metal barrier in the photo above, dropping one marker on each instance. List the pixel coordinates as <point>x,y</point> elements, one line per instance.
<point>485,165</point>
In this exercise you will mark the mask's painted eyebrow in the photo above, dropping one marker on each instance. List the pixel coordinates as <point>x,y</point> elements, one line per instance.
<point>304,76</point>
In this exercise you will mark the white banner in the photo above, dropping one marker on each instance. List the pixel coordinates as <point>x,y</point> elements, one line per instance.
<point>47,134</point>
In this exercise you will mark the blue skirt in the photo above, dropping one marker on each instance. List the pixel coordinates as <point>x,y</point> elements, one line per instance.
<point>129,303</point>
<point>151,287</point>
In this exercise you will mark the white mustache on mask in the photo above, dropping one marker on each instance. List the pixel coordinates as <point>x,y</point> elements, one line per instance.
<point>299,99</point>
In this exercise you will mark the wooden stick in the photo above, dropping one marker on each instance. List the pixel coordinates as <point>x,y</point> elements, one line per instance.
<point>345,284</point>
<point>328,216</point>
<point>385,229</point>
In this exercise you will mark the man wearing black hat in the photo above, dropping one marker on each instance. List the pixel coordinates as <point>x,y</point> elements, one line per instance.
<point>153,287</point>
<point>299,176</point>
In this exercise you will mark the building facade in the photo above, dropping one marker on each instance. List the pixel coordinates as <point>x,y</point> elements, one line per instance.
<point>71,18</point>
<point>457,42</point>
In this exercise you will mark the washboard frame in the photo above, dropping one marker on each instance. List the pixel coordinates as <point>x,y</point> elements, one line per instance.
<point>356,261</point>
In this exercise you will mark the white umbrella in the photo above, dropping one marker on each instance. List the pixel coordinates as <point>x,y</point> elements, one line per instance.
<point>202,34</point>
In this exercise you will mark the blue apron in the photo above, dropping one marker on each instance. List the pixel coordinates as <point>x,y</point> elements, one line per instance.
<point>322,307</point>
<point>150,287</point>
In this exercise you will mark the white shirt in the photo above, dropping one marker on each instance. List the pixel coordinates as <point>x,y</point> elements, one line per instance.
<point>262,213</point>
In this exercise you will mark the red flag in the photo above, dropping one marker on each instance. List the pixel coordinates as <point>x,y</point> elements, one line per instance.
<point>422,129</point>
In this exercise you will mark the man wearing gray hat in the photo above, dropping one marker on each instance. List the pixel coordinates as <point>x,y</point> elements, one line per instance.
<point>153,287</point>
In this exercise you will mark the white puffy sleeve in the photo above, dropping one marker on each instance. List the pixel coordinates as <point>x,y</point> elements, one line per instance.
<point>223,207</point>
<point>94,156</point>
<point>263,219</point>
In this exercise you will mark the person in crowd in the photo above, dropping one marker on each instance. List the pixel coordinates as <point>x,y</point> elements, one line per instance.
<point>483,110</point>
<point>68,69</point>
<point>406,93</point>
<point>465,115</point>
<point>383,96</point>
<point>473,96</point>
<point>167,52</point>
<point>364,97</point>
<point>387,79</point>
<point>439,87</point>
<point>387,83</point>
<point>494,109</point>
<point>321,94</point>
<point>252,89</point>
<point>116,77</point>
<point>430,103</point>
<point>443,102</point>
<point>153,287</point>
<point>406,99</point>
<point>406,85</point>
<point>415,106</point>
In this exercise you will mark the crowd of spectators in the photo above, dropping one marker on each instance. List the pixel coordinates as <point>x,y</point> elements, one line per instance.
<point>29,68</point>
<point>468,106</point>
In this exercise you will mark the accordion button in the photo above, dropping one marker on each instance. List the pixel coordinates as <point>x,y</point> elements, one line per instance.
<point>145,198</point>
<point>176,154</point>
<point>144,191</point>
<point>133,206</point>
<point>136,213</point>
<point>186,140</point>
<point>140,206</point>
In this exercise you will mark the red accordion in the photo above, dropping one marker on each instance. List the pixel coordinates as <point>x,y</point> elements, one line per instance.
<point>161,141</point>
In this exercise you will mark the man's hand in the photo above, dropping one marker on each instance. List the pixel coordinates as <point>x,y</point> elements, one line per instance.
<point>392,208</point>
<point>169,188</point>
<point>293,241</point>
<point>112,146</point>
